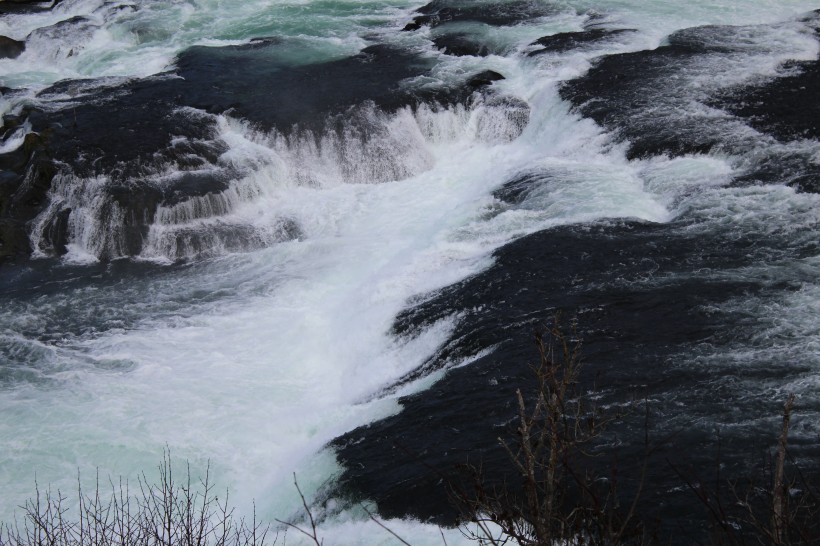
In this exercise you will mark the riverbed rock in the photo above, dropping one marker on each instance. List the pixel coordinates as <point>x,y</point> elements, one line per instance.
<point>786,107</point>
<point>484,78</point>
<point>11,49</point>
<point>460,45</point>
<point>26,6</point>
<point>567,41</point>
<point>439,12</point>
<point>141,144</point>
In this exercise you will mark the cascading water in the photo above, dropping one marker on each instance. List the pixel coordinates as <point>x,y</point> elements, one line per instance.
<point>247,224</point>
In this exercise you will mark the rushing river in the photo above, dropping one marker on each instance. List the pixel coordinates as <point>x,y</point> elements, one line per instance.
<point>246,230</point>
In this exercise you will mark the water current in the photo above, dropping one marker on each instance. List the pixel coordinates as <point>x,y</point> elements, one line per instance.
<point>242,230</point>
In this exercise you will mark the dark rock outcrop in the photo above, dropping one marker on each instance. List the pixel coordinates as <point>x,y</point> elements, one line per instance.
<point>567,41</point>
<point>483,79</point>
<point>215,80</point>
<point>26,6</point>
<point>630,324</point>
<point>619,91</point>
<point>24,184</point>
<point>439,12</point>
<point>653,99</point>
<point>131,132</point>
<point>786,107</point>
<point>460,45</point>
<point>11,49</point>
<point>56,233</point>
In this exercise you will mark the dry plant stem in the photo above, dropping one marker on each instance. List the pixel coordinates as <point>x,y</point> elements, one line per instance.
<point>779,491</point>
<point>313,535</point>
<point>165,514</point>
<point>441,532</point>
<point>558,504</point>
<point>389,530</point>
<point>781,513</point>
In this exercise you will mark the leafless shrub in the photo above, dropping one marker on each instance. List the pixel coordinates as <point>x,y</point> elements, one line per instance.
<point>556,500</point>
<point>169,513</point>
<point>783,512</point>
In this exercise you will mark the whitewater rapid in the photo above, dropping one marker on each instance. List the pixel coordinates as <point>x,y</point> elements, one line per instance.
<point>251,352</point>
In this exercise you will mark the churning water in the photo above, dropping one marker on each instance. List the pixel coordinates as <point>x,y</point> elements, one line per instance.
<point>266,216</point>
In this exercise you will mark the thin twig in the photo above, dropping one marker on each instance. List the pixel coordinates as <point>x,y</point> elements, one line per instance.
<point>388,529</point>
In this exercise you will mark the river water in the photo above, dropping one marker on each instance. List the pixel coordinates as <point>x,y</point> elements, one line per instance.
<point>282,221</point>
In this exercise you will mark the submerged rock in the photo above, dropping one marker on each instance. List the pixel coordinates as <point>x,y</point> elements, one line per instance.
<point>64,39</point>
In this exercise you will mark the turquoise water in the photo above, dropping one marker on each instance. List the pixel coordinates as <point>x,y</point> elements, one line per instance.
<point>143,38</point>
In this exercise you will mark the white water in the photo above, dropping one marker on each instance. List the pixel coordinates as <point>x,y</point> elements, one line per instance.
<point>258,381</point>
<point>256,360</point>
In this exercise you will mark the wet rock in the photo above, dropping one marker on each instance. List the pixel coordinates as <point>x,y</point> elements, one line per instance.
<point>408,462</point>
<point>11,49</point>
<point>23,195</point>
<point>26,6</point>
<point>785,107</point>
<point>669,101</point>
<point>56,234</point>
<point>33,192</point>
<point>439,12</point>
<point>263,41</point>
<point>504,119</point>
<point>620,90</point>
<point>132,134</point>
<point>185,242</point>
<point>138,201</point>
<point>11,123</point>
<point>128,134</point>
<point>284,96</point>
<point>567,41</point>
<point>64,92</point>
<point>460,45</point>
<point>63,39</point>
<point>484,78</point>
<point>517,190</point>
<point>13,235</point>
<point>115,134</point>
<point>793,166</point>
<point>111,7</point>
<point>15,161</point>
<point>125,132</point>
